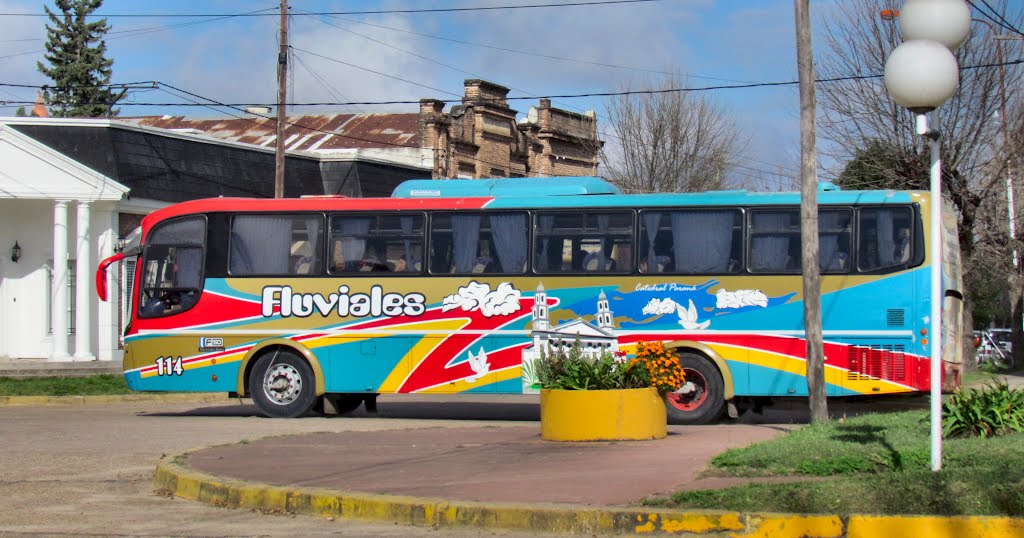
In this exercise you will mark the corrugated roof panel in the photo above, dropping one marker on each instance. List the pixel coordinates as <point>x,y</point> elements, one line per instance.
<point>351,131</point>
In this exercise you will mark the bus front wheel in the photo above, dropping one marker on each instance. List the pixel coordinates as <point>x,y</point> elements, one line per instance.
<point>702,403</point>
<point>282,385</point>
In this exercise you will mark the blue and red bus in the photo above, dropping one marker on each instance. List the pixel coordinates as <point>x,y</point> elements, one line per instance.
<point>456,286</point>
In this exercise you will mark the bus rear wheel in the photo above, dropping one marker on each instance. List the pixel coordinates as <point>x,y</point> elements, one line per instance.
<point>706,398</point>
<point>282,385</point>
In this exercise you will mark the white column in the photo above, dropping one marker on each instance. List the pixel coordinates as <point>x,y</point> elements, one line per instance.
<point>83,297</point>
<point>59,290</point>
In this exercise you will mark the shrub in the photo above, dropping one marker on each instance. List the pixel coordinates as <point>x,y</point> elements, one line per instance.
<point>573,369</point>
<point>993,410</point>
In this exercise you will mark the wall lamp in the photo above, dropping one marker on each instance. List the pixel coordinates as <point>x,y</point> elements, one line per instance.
<point>15,252</point>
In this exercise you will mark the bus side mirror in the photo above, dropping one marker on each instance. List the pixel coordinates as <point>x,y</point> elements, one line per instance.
<point>101,275</point>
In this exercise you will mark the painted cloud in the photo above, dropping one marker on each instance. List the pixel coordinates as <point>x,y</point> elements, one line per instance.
<point>476,296</point>
<point>741,298</point>
<point>658,306</point>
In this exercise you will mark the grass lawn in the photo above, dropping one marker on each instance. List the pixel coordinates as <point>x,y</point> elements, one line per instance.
<point>872,464</point>
<point>64,386</point>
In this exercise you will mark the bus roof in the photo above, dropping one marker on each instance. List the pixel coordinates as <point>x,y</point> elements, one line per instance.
<point>503,187</point>
<point>514,193</point>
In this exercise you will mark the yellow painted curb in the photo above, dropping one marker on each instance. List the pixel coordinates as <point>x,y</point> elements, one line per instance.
<point>176,479</point>
<point>198,397</point>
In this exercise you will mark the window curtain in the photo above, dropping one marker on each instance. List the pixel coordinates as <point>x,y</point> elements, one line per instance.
<point>652,220</point>
<point>313,235</point>
<point>886,238</point>
<point>702,241</point>
<point>545,223</point>
<point>406,224</point>
<point>828,239</point>
<point>602,226</point>
<point>188,267</point>
<point>509,231</point>
<point>260,245</point>
<point>769,252</point>
<point>353,248</point>
<point>466,238</point>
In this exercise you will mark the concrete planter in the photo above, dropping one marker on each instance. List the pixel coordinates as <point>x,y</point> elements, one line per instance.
<point>602,415</point>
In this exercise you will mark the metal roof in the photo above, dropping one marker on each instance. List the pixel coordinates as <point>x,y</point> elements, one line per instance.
<point>312,133</point>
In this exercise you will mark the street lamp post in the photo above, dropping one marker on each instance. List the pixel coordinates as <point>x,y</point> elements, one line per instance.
<point>921,74</point>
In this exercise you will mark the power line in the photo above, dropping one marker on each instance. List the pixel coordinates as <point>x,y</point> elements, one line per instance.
<point>368,70</point>
<point>363,12</point>
<point>515,98</point>
<point>1001,22</point>
<point>539,55</point>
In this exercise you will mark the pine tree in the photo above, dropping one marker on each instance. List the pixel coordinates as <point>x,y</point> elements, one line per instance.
<point>79,67</point>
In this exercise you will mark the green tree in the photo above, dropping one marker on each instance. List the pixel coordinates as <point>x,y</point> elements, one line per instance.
<point>20,112</point>
<point>883,165</point>
<point>78,66</point>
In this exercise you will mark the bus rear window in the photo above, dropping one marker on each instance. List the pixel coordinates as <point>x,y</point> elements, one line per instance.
<point>172,268</point>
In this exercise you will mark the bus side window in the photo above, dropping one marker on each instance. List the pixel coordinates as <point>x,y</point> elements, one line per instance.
<point>275,245</point>
<point>774,241</point>
<point>885,239</point>
<point>583,242</point>
<point>478,243</point>
<point>834,240</point>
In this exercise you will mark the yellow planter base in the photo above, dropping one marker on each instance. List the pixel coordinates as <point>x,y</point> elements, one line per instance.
<point>602,415</point>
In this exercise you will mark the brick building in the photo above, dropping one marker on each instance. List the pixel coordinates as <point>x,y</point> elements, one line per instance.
<point>481,138</point>
<point>477,138</point>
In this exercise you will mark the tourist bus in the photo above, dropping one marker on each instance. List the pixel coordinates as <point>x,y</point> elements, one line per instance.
<point>457,286</point>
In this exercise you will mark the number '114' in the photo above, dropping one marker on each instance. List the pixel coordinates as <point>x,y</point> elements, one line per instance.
<point>168,366</point>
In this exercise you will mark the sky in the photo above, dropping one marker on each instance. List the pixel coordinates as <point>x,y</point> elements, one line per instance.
<point>409,56</point>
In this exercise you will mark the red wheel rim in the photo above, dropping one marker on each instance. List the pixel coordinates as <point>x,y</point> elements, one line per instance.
<point>693,400</point>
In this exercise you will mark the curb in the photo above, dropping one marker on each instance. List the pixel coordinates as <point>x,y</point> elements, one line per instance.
<point>198,397</point>
<point>177,480</point>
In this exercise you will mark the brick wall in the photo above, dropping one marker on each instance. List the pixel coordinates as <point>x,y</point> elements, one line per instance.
<point>480,138</point>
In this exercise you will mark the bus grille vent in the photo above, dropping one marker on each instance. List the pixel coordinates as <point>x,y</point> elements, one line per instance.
<point>886,362</point>
<point>894,317</point>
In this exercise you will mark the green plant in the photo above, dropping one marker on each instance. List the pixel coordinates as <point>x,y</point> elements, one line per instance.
<point>992,410</point>
<point>574,369</point>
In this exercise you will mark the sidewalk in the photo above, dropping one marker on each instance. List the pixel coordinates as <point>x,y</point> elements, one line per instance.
<point>508,478</point>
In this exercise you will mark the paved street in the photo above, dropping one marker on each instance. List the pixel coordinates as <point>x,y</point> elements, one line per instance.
<point>87,470</point>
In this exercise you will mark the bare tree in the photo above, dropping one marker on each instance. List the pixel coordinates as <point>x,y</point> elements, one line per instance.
<point>858,116</point>
<point>669,141</point>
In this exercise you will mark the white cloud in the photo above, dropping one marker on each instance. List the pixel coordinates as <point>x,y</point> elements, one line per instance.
<point>741,298</point>
<point>658,306</point>
<point>476,296</point>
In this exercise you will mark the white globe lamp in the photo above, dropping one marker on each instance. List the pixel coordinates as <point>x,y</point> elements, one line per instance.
<point>921,75</point>
<point>945,21</point>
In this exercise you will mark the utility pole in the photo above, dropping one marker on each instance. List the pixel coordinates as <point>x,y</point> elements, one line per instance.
<point>282,95</point>
<point>809,217</point>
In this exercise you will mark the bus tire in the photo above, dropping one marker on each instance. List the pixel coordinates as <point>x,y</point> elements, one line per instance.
<point>344,403</point>
<point>704,405</point>
<point>282,385</point>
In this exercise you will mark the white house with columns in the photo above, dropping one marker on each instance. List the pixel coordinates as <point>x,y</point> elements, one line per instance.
<point>62,216</point>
